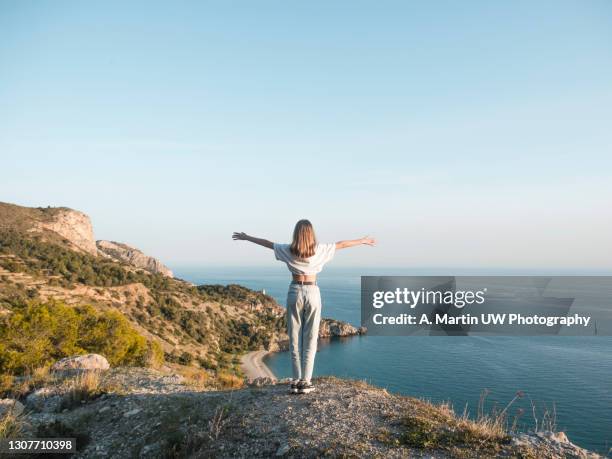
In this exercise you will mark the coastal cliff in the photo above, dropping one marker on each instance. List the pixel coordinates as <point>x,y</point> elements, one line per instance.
<point>73,229</point>
<point>72,225</point>
<point>54,224</point>
<point>132,256</point>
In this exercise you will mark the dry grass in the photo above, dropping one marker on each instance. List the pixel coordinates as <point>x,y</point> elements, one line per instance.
<point>82,388</point>
<point>358,384</point>
<point>193,440</point>
<point>217,423</point>
<point>201,379</point>
<point>438,427</point>
<point>11,425</point>
<point>229,381</point>
<point>195,377</point>
<point>7,383</point>
<point>17,387</point>
<point>431,426</point>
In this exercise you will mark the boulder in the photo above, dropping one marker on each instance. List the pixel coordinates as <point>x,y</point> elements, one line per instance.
<point>44,400</point>
<point>82,362</point>
<point>9,405</point>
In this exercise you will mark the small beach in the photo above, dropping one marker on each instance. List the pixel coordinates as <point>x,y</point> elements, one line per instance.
<point>253,366</point>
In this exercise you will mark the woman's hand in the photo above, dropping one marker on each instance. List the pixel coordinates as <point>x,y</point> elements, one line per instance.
<point>355,242</point>
<point>254,240</point>
<point>239,236</point>
<point>368,241</point>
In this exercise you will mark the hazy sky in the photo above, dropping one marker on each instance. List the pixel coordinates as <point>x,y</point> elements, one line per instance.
<point>460,134</point>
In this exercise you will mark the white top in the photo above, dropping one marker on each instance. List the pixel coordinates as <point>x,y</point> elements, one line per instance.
<point>305,266</point>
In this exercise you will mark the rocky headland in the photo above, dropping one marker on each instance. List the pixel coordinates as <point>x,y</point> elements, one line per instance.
<point>132,256</point>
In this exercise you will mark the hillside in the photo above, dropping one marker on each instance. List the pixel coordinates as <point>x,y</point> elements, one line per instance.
<point>205,327</point>
<point>53,224</point>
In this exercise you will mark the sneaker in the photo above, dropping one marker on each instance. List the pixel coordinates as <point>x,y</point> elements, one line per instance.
<point>293,387</point>
<point>305,387</point>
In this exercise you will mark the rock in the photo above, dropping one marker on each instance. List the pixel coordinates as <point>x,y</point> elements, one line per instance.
<point>44,400</point>
<point>10,405</point>
<point>104,409</point>
<point>282,449</point>
<point>132,256</point>
<point>555,444</point>
<point>174,379</point>
<point>260,382</point>
<point>558,437</point>
<point>331,327</point>
<point>82,362</point>
<point>147,450</point>
<point>131,413</point>
<point>74,226</point>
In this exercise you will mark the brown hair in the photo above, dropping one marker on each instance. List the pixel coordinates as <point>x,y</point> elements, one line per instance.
<point>304,240</point>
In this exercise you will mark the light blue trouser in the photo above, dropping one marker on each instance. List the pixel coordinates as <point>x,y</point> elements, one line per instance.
<point>303,318</point>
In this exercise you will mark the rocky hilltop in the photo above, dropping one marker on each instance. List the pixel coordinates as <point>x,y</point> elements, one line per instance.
<point>131,412</point>
<point>132,256</point>
<point>72,225</point>
<point>55,224</point>
<point>73,228</point>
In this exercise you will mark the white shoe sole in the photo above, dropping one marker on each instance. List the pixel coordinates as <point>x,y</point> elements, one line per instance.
<point>306,391</point>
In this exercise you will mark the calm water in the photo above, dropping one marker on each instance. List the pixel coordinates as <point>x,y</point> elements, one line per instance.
<point>571,374</point>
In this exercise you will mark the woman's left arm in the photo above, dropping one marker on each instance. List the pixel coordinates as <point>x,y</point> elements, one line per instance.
<point>353,242</point>
<point>254,240</point>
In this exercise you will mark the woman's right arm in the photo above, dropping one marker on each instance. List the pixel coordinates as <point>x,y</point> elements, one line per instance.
<point>255,240</point>
<point>353,242</point>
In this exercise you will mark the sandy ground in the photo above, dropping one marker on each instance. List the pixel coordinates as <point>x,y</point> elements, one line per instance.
<point>253,366</point>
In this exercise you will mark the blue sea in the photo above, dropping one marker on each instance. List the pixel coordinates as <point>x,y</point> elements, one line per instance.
<point>571,376</point>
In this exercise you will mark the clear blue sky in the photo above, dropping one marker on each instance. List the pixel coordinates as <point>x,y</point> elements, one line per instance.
<point>473,133</point>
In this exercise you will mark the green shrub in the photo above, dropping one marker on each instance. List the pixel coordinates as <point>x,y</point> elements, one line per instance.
<point>36,256</point>
<point>38,334</point>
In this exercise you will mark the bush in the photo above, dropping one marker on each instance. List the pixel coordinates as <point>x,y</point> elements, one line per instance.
<point>38,334</point>
<point>185,358</point>
<point>35,256</point>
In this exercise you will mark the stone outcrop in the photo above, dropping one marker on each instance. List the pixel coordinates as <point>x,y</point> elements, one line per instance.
<point>132,256</point>
<point>82,362</point>
<point>72,228</point>
<point>45,400</point>
<point>555,443</point>
<point>72,225</point>
<point>330,328</point>
<point>9,405</point>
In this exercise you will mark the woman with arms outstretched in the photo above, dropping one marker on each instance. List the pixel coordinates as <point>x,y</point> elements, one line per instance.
<point>305,259</point>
